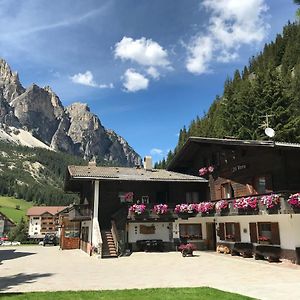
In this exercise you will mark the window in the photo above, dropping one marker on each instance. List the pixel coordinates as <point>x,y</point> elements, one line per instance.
<point>35,218</point>
<point>229,231</point>
<point>190,231</point>
<point>269,230</point>
<point>192,197</point>
<point>145,199</point>
<point>260,184</point>
<point>227,190</point>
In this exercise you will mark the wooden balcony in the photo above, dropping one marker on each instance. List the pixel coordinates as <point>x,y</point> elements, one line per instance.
<point>80,212</point>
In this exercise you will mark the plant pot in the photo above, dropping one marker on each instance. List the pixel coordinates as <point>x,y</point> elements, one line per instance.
<point>224,212</point>
<point>273,211</point>
<point>142,216</point>
<point>208,214</point>
<point>247,211</point>
<point>296,209</point>
<point>186,215</point>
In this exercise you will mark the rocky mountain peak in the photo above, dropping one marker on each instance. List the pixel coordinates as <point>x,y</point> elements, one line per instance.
<point>74,129</point>
<point>9,82</point>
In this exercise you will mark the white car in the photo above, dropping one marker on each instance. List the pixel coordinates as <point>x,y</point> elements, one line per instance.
<point>15,243</point>
<point>6,243</point>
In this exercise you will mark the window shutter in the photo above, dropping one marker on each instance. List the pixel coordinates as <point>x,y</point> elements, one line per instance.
<point>237,232</point>
<point>253,232</point>
<point>221,231</point>
<point>275,238</point>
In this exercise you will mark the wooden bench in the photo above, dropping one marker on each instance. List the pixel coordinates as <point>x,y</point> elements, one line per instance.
<point>270,252</point>
<point>150,245</point>
<point>244,249</point>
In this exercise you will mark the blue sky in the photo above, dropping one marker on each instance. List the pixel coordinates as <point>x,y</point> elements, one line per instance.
<point>146,68</point>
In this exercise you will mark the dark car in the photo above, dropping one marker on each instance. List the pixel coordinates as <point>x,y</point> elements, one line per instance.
<point>50,239</point>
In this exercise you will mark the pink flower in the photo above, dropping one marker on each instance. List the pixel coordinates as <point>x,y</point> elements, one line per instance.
<point>205,207</point>
<point>221,205</point>
<point>294,200</point>
<point>160,209</point>
<point>246,203</point>
<point>137,208</point>
<point>270,201</point>
<point>203,171</point>
<point>210,169</point>
<point>185,208</point>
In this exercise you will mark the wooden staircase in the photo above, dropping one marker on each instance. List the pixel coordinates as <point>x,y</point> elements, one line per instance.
<point>108,245</point>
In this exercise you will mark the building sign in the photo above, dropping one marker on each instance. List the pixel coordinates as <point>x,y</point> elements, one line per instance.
<point>147,229</point>
<point>239,168</point>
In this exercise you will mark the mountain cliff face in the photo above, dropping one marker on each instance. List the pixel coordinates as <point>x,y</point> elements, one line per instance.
<point>73,129</point>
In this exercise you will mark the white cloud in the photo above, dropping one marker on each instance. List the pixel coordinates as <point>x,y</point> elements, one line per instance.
<point>134,81</point>
<point>200,54</point>
<point>87,78</point>
<point>156,151</point>
<point>153,72</point>
<point>143,51</point>
<point>232,23</point>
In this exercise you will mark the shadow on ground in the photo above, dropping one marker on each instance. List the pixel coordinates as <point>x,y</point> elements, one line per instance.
<point>12,254</point>
<point>8,282</point>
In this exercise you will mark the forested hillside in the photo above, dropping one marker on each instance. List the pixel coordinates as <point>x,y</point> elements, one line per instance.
<point>270,84</point>
<point>35,174</point>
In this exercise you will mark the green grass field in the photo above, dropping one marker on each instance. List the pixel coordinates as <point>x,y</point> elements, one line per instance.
<point>202,293</point>
<point>8,207</point>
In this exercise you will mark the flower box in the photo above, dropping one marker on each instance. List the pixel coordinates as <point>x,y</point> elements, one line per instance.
<point>206,208</point>
<point>160,210</point>
<point>294,201</point>
<point>222,207</point>
<point>186,211</point>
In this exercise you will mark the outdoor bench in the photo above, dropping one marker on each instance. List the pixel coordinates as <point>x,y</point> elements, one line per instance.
<point>244,249</point>
<point>272,253</point>
<point>150,245</point>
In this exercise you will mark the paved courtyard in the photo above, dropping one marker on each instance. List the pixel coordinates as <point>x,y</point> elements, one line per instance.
<point>36,268</point>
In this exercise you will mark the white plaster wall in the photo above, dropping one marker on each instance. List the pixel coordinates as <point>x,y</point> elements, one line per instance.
<point>34,224</point>
<point>163,231</point>
<point>289,226</point>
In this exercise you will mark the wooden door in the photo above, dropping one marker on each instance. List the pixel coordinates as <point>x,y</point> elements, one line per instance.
<point>211,235</point>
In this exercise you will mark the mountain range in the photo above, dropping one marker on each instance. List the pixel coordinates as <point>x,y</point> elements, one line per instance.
<point>36,117</point>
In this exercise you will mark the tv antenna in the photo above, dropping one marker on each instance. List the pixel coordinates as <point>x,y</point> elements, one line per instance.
<point>270,132</point>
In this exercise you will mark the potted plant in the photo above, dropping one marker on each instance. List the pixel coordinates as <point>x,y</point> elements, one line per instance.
<point>264,240</point>
<point>206,208</point>
<point>246,205</point>
<point>271,202</point>
<point>294,201</point>
<point>160,209</point>
<point>222,207</point>
<point>187,249</point>
<point>186,210</point>
<point>137,210</point>
<point>206,170</point>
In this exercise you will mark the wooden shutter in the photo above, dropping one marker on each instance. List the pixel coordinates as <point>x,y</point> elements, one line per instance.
<point>275,238</point>
<point>253,232</point>
<point>237,232</point>
<point>221,231</point>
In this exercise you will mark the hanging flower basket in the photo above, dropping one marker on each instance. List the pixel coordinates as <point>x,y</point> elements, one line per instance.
<point>206,170</point>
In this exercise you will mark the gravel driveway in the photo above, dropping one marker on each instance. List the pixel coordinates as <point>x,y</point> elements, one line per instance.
<point>36,268</point>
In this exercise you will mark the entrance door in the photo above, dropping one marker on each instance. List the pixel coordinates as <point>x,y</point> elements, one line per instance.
<point>211,235</point>
<point>84,238</point>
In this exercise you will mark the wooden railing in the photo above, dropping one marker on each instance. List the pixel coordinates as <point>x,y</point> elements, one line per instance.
<point>115,235</point>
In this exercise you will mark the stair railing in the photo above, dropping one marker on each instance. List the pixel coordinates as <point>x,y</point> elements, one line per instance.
<point>115,235</point>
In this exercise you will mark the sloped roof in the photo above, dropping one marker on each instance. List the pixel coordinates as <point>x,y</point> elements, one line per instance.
<point>40,210</point>
<point>193,141</point>
<point>129,174</point>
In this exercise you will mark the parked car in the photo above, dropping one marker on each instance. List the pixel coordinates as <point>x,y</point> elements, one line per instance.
<point>15,243</point>
<point>50,239</point>
<point>6,243</point>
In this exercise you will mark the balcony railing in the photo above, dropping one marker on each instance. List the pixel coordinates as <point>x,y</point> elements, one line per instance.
<point>80,212</point>
<point>282,207</point>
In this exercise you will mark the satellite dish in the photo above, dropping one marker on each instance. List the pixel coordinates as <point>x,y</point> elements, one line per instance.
<point>270,132</point>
